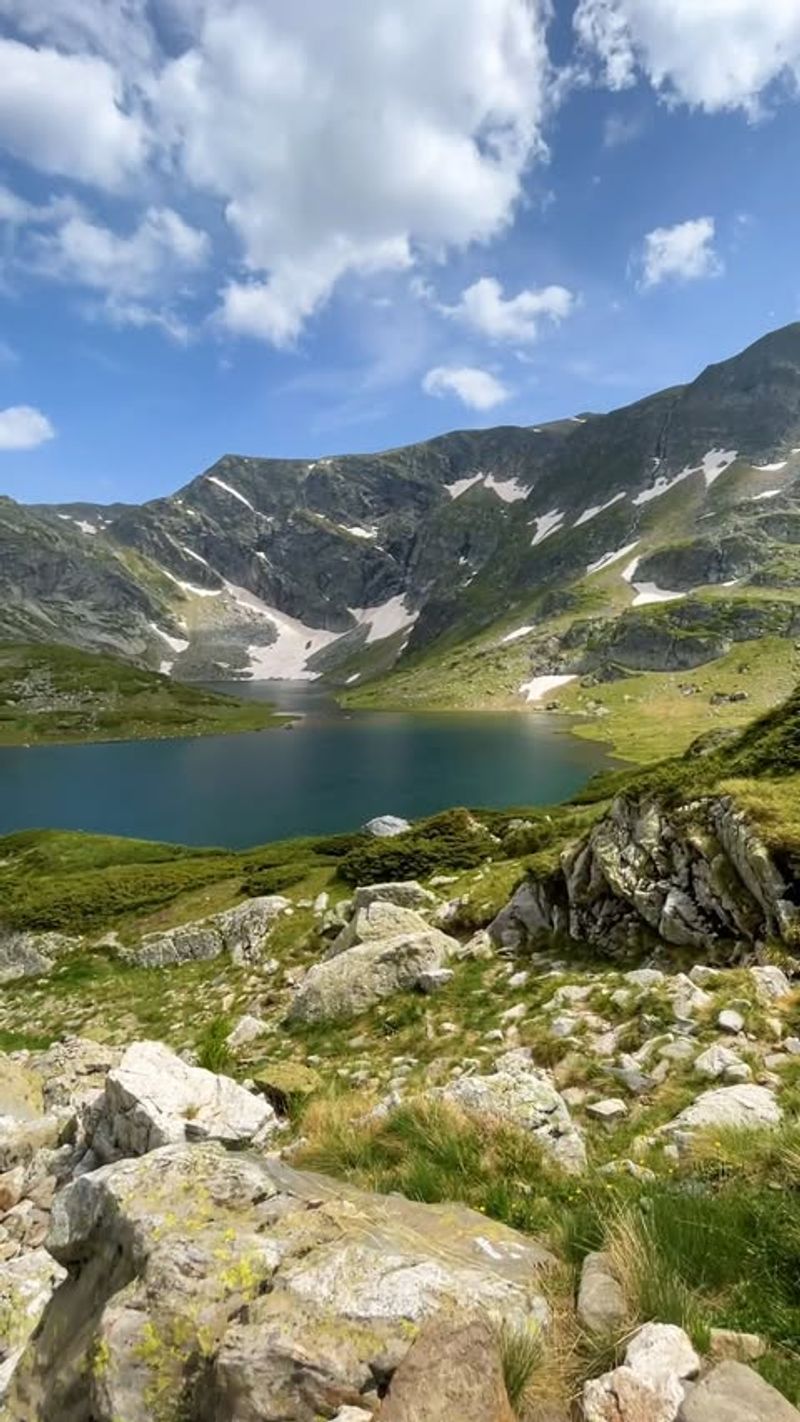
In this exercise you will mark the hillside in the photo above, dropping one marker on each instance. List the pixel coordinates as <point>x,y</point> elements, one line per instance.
<point>654,539</point>
<point>59,694</point>
<point>563,1045</point>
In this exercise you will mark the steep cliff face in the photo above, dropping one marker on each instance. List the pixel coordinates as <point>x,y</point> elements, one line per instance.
<point>696,876</point>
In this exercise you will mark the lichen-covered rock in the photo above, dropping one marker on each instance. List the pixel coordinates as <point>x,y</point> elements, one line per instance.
<point>354,980</point>
<point>517,1092</point>
<point>241,931</point>
<point>601,1302</point>
<point>26,1286</point>
<point>153,1099</point>
<point>375,920</point>
<point>239,1288</point>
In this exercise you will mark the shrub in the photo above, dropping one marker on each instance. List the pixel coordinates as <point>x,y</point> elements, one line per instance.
<point>453,840</point>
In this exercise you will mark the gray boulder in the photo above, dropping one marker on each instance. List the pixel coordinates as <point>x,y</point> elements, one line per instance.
<point>745,1107</point>
<point>355,979</point>
<point>386,826</point>
<point>27,955</point>
<point>601,1302</point>
<point>732,1392</point>
<point>26,1286</point>
<point>154,1099</point>
<point>241,931</point>
<point>375,920</point>
<point>406,893</point>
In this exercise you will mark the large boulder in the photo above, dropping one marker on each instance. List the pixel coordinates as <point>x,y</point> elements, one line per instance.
<point>241,931</point>
<point>406,893</point>
<point>651,1384</point>
<point>386,826</point>
<point>354,980</point>
<point>153,1098</point>
<point>732,1392</point>
<point>518,1093</point>
<point>744,1107</point>
<point>234,1287</point>
<point>374,920</point>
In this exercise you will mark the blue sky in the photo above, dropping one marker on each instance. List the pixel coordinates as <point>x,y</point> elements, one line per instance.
<point>233,225</point>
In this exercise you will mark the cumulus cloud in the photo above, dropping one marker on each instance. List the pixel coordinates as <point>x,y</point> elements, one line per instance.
<point>337,140</point>
<point>684,252</point>
<point>64,113</point>
<point>135,265</point>
<point>23,427</point>
<point>485,309</point>
<point>474,387</point>
<point>713,54</point>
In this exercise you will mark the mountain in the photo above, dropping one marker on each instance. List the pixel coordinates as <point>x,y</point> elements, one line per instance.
<point>356,565</point>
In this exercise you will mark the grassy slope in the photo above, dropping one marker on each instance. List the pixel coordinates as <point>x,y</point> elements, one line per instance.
<point>59,694</point>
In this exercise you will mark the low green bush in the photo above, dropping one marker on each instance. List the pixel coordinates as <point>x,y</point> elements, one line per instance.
<point>452,840</point>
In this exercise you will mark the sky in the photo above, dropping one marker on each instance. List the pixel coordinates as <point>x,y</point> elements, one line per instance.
<point>296,230</point>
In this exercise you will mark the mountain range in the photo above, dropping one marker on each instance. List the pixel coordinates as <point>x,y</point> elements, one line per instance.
<point>649,537</point>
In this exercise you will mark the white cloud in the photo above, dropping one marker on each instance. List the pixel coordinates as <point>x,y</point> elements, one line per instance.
<point>714,54</point>
<point>619,129</point>
<point>136,265</point>
<point>63,113</point>
<point>474,387</point>
<point>517,318</point>
<point>681,253</point>
<point>23,427</point>
<point>337,139</point>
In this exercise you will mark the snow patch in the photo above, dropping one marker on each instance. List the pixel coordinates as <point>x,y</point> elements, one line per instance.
<point>629,572</point>
<point>650,592</point>
<point>220,483</point>
<point>767,494</point>
<point>609,558</point>
<point>81,523</point>
<point>513,636</point>
<point>190,553</point>
<point>191,587</point>
<point>165,668</point>
<point>540,685</point>
<point>546,524</point>
<point>714,463</point>
<point>509,490</point>
<point>385,618</point>
<point>355,677</point>
<point>591,513</point>
<point>178,644</point>
<point>358,532</point>
<point>286,658</point>
<point>771,468</point>
<point>461,485</point>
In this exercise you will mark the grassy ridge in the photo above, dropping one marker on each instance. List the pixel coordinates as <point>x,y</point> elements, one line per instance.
<point>59,694</point>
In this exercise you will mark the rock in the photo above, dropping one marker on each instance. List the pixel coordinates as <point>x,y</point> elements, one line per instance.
<point>601,1302</point>
<point>733,1393</point>
<point>450,1371</point>
<point>26,955</point>
<point>741,1106</point>
<point>730,1021</point>
<point>792,1046</point>
<point>518,980</point>
<point>73,1071</point>
<point>353,980</point>
<point>703,975</point>
<point>478,947</point>
<point>353,1414</point>
<point>26,1287</point>
<point>386,826</point>
<point>660,1351</point>
<point>375,921</point>
<point>609,1110</point>
<point>771,983</point>
<point>286,1083</point>
<point>241,931</point>
<point>518,1093</point>
<point>406,893</point>
<point>622,1396</point>
<point>247,1029</point>
<point>725,1344</point>
<point>286,1294</point>
<point>153,1099</point>
<point>645,978</point>
<point>434,979</point>
<point>719,1061</point>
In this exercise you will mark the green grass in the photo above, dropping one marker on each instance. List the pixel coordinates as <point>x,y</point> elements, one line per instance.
<point>58,694</point>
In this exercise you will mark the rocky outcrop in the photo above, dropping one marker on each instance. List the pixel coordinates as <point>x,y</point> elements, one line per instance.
<point>26,1286</point>
<point>204,1284</point>
<point>694,876</point>
<point>733,1393</point>
<point>241,931</point>
<point>26,955</point>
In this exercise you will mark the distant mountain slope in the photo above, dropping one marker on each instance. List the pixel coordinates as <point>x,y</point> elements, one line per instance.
<point>350,565</point>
